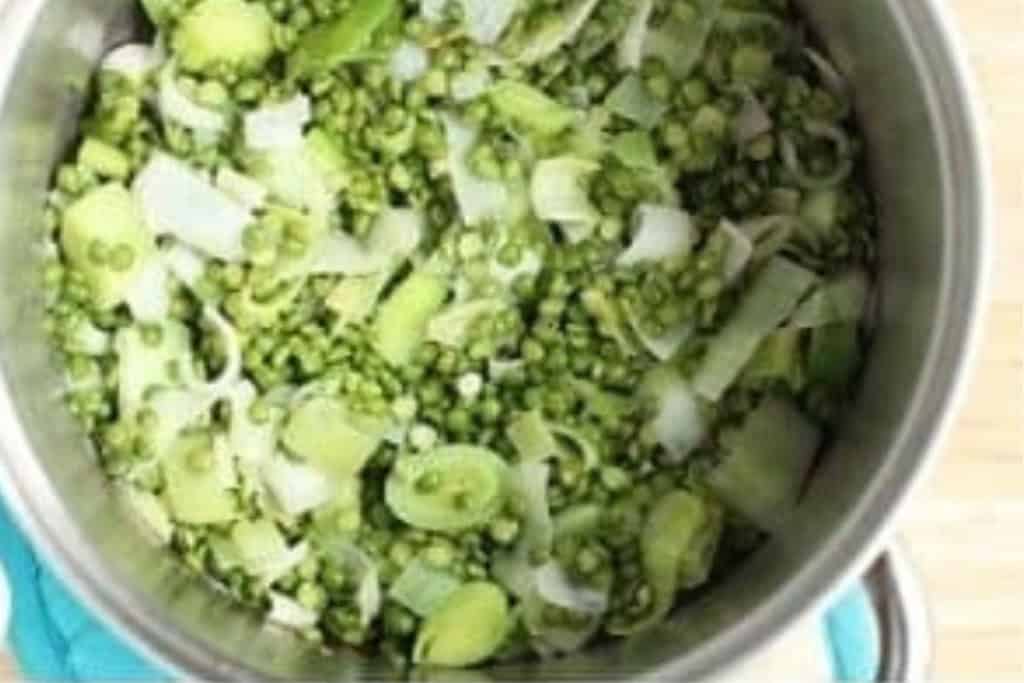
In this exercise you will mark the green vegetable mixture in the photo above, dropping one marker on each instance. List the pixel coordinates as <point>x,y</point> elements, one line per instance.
<point>460,330</point>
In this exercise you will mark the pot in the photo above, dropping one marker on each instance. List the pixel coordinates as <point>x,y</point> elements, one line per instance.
<point>930,178</point>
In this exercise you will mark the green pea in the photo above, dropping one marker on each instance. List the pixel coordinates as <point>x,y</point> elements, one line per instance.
<point>439,554</point>
<point>490,411</point>
<point>587,562</point>
<point>122,258</point>
<point>615,478</point>
<point>459,420</point>
<point>152,334</point>
<point>399,621</point>
<point>200,459</point>
<point>695,92</point>
<point>311,595</point>
<point>99,253</point>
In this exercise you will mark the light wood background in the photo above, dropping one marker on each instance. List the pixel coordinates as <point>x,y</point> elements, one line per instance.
<point>966,527</point>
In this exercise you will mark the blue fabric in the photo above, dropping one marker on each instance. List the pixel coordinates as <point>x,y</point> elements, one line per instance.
<point>52,636</point>
<point>852,633</point>
<point>55,639</point>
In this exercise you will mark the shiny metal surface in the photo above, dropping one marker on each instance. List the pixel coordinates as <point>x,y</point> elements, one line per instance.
<point>931,179</point>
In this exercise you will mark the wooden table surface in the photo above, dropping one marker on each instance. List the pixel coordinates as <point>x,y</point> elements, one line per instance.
<point>964,528</point>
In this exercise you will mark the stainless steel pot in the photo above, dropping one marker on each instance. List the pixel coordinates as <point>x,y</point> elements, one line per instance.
<point>930,177</point>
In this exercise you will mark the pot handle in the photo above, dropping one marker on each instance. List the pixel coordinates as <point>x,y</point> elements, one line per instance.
<point>903,618</point>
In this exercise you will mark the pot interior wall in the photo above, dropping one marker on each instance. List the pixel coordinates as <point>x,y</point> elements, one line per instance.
<point>875,452</point>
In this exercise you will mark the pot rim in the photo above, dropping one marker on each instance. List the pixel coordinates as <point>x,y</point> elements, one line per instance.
<point>55,534</point>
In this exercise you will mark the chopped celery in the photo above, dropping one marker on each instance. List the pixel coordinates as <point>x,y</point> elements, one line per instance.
<point>765,463</point>
<point>355,298</point>
<point>669,563</point>
<point>680,44</point>
<point>752,121</point>
<point>339,520</point>
<point>772,298</point>
<point>677,423</point>
<point>778,358</point>
<point>739,252</point>
<point>452,326</point>
<point>559,191</point>
<point>575,444</point>
<point>409,61</point>
<point>466,630</point>
<point>448,488</point>
<point>843,299</point>
<point>663,346</point>
<point>470,85</point>
<point>345,38</point>
<point>85,338</point>
<point>479,199</point>
<point>631,45</point>
<point>635,150</point>
<point>486,20</point>
<point>240,187</point>
<point>199,482</point>
<point>232,32</point>
<point>556,588</point>
<point>537,440</point>
<point>298,488</point>
<point>423,589</point>
<point>134,61</point>
<point>402,320</point>
<point>294,176</point>
<point>262,550</point>
<point>433,11</point>
<point>179,201</point>
<point>231,345</point>
<point>552,637</point>
<point>590,139</point>
<point>107,161</point>
<point>819,211</point>
<point>330,437</point>
<point>677,545</point>
<point>529,485</point>
<point>149,297</point>
<point>107,223</point>
<point>531,437</point>
<point>177,107</point>
<point>662,232</point>
<point>290,613</point>
<point>368,595</point>
<point>531,108</point>
<point>278,125</point>
<point>633,101</point>
<point>142,365</point>
<point>834,354</point>
<point>251,441</point>
<point>560,29</point>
